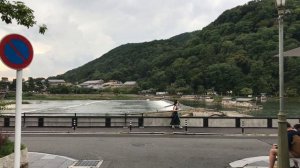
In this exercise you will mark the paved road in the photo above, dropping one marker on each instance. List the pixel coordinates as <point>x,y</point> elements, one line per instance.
<point>152,151</point>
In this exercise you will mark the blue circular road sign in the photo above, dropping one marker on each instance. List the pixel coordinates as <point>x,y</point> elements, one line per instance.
<point>16,51</point>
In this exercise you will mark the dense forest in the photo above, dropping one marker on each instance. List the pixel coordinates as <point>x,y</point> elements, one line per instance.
<point>235,53</point>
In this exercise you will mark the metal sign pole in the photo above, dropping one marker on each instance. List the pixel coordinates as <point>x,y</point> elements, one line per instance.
<point>18,119</point>
<point>17,53</point>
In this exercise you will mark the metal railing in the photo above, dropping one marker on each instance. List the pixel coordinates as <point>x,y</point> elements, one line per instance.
<point>134,120</point>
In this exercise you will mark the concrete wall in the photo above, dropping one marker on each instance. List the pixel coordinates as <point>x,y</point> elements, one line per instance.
<point>221,122</point>
<point>57,122</point>
<point>291,121</point>
<point>157,122</point>
<point>192,122</point>
<point>121,121</point>
<point>8,161</point>
<point>30,122</point>
<point>91,122</point>
<point>254,123</point>
<point>1,122</point>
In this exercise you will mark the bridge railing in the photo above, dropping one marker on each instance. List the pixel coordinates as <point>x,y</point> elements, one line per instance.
<point>136,120</point>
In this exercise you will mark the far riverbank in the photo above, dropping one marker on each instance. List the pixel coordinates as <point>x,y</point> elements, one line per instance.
<point>200,108</point>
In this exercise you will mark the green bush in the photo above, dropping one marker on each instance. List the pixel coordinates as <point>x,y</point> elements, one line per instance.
<point>6,146</point>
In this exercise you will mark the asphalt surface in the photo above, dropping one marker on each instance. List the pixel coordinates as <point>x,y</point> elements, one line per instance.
<point>152,151</point>
<point>152,147</point>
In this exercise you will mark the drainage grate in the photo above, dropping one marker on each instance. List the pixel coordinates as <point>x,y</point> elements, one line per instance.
<point>87,164</point>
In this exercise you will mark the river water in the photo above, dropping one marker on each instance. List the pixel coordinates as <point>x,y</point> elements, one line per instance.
<point>93,106</point>
<point>270,108</point>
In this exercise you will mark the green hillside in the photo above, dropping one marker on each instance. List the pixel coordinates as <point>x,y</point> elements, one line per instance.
<point>235,52</point>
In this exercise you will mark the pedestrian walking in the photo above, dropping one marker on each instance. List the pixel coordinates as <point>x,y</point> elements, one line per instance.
<point>175,121</point>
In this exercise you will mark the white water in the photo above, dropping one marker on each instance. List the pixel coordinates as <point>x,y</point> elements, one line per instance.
<point>92,106</point>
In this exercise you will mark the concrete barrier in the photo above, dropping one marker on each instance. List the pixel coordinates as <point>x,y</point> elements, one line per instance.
<point>90,122</point>
<point>30,122</point>
<point>140,121</point>
<point>148,122</point>
<point>221,122</point>
<point>2,122</point>
<point>57,122</point>
<point>263,123</point>
<point>8,161</point>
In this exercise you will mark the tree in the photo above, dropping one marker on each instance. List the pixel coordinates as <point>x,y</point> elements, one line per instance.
<point>19,12</point>
<point>13,85</point>
<point>159,80</point>
<point>246,91</point>
<point>224,77</point>
<point>31,84</point>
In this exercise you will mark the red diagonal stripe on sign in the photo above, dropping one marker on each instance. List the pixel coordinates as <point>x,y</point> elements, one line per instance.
<point>19,54</point>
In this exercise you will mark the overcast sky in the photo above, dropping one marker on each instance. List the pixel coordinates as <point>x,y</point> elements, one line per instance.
<point>80,31</point>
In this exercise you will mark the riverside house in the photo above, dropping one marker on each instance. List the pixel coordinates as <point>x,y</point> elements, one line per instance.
<point>130,84</point>
<point>94,84</point>
<point>112,84</point>
<point>56,82</point>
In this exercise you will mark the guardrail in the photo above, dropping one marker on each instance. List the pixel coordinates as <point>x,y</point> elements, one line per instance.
<point>136,120</point>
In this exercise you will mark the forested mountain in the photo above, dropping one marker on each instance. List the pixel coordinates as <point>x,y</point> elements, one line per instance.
<point>235,52</point>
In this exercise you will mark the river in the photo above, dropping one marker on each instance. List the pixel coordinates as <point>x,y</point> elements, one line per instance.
<point>270,108</point>
<point>93,106</point>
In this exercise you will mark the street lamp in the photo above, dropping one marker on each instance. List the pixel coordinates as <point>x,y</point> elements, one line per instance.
<point>283,154</point>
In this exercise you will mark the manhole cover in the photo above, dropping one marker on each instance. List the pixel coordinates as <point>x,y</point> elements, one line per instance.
<point>87,164</point>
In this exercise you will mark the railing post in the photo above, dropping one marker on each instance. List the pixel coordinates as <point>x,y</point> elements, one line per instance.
<point>237,122</point>
<point>269,123</point>
<point>24,120</point>
<point>41,122</point>
<point>107,122</point>
<point>243,125</point>
<point>205,122</point>
<point>6,121</point>
<point>185,124</point>
<point>74,122</point>
<point>141,121</point>
<point>130,125</point>
<point>125,120</point>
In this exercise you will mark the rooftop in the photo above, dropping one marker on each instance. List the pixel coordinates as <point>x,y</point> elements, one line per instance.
<point>291,53</point>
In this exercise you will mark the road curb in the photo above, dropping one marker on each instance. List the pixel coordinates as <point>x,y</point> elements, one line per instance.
<point>136,133</point>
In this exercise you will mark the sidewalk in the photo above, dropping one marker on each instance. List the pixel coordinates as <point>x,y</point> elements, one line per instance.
<point>44,160</point>
<point>255,162</point>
